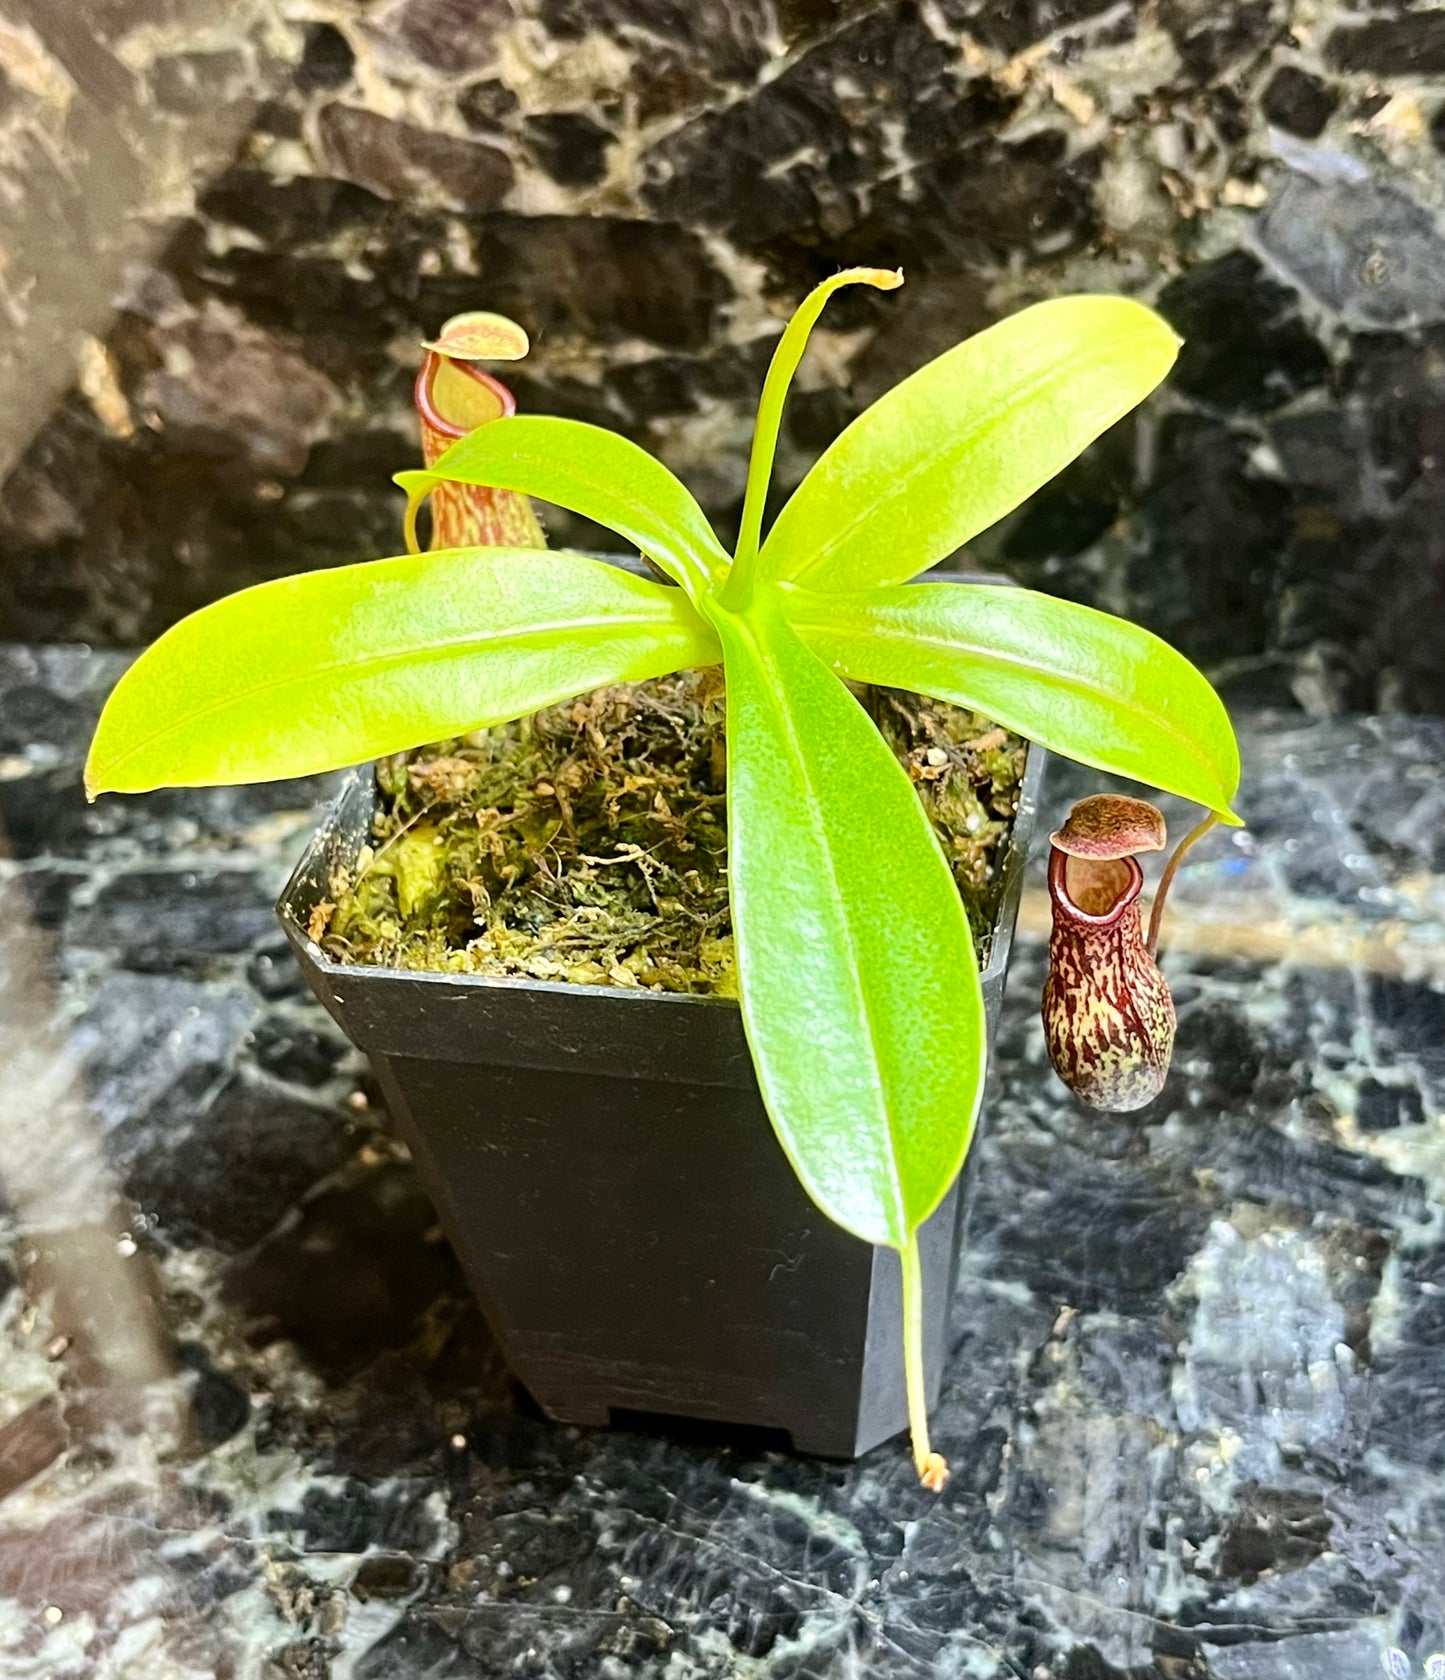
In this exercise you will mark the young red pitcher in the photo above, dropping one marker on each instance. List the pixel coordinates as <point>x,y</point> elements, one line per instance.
<point>452,398</point>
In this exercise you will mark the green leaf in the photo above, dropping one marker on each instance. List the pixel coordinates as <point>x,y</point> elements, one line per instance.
<point>860,992</point>
<point>965,439</point>
<point>1079,682</point>
<point>595,473</point>
<point>314,672</point>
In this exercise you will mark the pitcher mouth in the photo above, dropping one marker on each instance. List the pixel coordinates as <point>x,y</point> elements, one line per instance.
<point>469,398</point>
<point>1069,876</point>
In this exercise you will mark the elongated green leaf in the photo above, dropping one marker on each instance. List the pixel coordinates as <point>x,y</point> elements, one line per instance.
<point>595,473</point>
<point>860,992</point>
<point>1079,682</point>
<point>781,368</point>
<point>313,672</point>
<point>959,443</point>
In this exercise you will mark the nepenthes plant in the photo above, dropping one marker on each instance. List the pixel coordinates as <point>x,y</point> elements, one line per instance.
<point>857,974</point>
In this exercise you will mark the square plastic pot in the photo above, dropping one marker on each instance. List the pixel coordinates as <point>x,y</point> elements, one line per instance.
<point>602,1163</point>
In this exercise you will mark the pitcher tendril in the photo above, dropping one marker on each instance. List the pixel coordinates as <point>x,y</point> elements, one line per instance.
<point>932,1467</point>
<point>1166,880</point>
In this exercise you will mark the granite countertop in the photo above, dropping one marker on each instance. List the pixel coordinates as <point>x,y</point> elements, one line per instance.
<point>251,1424</point>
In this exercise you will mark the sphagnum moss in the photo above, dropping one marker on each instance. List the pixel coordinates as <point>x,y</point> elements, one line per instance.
<point>588,843</point>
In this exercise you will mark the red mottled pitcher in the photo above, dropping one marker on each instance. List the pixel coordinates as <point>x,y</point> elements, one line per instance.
<point>1108,1016</point>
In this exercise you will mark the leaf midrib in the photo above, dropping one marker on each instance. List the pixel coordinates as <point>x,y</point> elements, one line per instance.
<point>903,483</point>
<point>451,647</point>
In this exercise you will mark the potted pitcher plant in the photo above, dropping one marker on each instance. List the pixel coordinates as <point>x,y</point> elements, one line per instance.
<point>742,1207</point>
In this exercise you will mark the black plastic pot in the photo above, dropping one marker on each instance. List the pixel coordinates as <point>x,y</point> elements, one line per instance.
<point>603,1165</point>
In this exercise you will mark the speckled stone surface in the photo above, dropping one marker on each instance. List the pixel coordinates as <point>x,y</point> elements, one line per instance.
<point>226,223</point>
<point>251,1426</point>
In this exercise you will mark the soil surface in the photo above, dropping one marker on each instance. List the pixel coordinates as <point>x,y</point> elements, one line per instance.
<point>588,843</point>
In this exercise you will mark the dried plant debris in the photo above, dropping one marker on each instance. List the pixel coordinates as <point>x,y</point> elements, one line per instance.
<point>588,843</point>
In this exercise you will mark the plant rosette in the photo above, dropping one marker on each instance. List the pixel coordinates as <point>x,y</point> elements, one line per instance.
<point>858,981</point>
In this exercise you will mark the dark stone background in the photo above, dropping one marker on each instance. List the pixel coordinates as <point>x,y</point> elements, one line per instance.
<point>270,201</point>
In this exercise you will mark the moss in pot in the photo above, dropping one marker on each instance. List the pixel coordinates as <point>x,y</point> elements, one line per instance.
<point>856,972</point>
<point>591,845</point>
